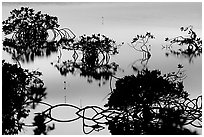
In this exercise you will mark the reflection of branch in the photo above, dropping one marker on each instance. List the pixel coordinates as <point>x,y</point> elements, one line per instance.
<point>96,52</point>
<point>192,109</point>
<point>22,89</point>
<point>95,71</point>
<point>178,76</point>
<point>193,43</point>
<point>110,85</point>
<point>143,61</point>
<point>141,41</point>
<point>24,47</point>
<point>80,113</point>
<point>27,50</point>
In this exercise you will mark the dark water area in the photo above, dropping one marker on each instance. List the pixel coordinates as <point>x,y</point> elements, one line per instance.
<point>72,78</point>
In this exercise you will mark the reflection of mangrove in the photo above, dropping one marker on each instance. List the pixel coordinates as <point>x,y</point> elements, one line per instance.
<point>27,54</point>
<point>153,104</point>
<point>97,72</point>
<point>99,119</point>
<point>148,103</point>
<point>125,121</point>
<point>40,126</point>
<point>139,43</point>
<point>94,63</point>
<point>145,103</point>
<point>187,47</point>
<point>21,90</point>
<point>29,33</point>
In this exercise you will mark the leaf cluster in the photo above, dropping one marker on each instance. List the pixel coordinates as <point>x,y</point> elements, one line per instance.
<point>98,41</point>
<point>41,127</point>
<point>145,37</point>
<point>24,19</point>
<point>150,103</point>
<point>29,33</point>
<point>21,90</point>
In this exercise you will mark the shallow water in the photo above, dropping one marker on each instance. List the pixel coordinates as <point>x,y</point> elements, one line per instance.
<point>121,22</point>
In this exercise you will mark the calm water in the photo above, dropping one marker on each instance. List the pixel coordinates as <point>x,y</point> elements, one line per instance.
<point>121,22</point>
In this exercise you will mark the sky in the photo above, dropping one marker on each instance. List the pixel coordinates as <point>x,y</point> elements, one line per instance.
<point>121,22</point>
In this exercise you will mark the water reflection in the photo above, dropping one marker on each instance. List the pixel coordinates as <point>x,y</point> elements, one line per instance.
<point>151,104</point>
<point>91,58</point>
<point>139,43</point>
<point>21,90</point>
<point>189,46</point>
<point>21,52</point>
<point>40,125</point>
<point>95,52</point>
<point>29,34</point>
<point>145,103</point>
<point>97,72</point>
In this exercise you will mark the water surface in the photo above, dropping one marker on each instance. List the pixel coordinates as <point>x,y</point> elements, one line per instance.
<point>121,22</point>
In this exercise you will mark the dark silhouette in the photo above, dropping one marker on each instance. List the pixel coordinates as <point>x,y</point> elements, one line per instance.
<point>41,127</point>
<point>29,34</point>
<point>151,104</point>
<point>21,91</point>
<point>188,47</point>
<point>94,46</point>
<point>94,63</point>
<point>100,73</point>
<point>28,55</point>
<point>148,103</point>
<point>145,103</point>
<point>168,116</point>
<point>139,43</point>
